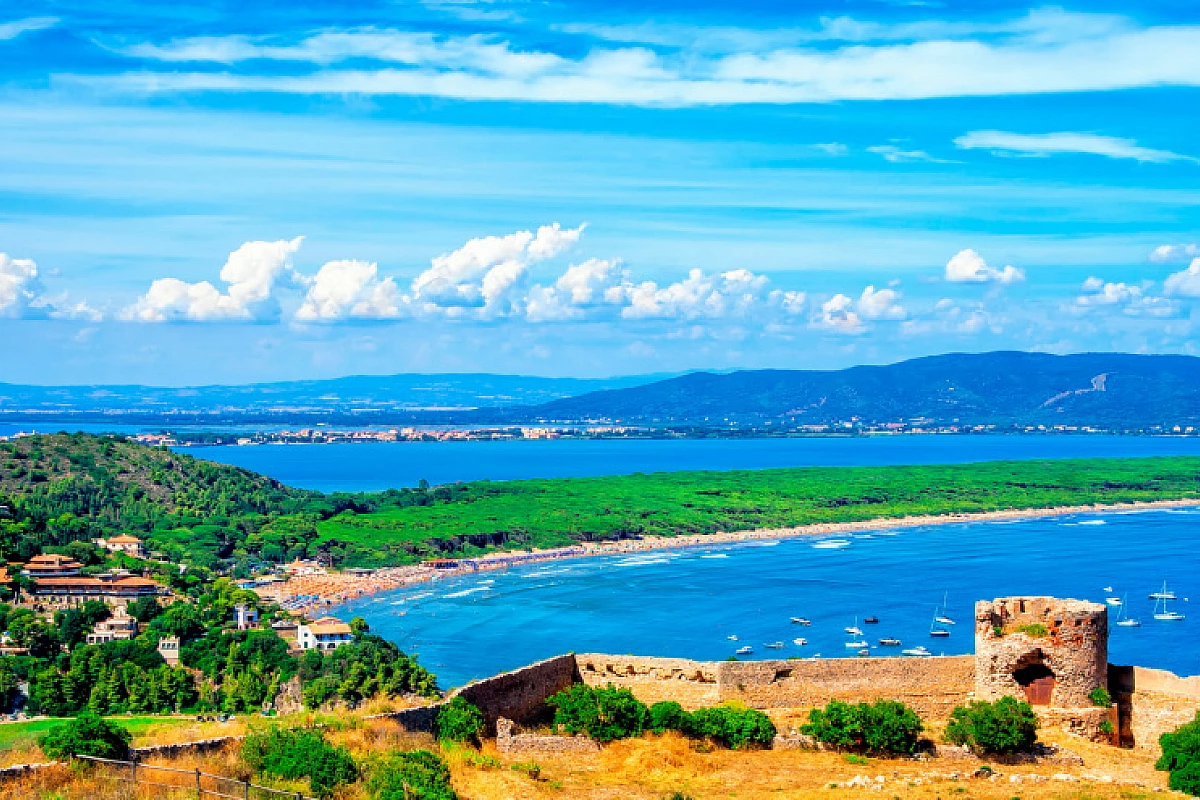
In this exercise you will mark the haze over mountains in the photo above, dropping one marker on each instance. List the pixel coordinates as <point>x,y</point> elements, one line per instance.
<point>1107,390</point>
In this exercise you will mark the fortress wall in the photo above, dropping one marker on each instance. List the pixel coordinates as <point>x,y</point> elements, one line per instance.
<point>692,684</point>
<point>932,686</point>
<point>520,695</point>
<point>1152,702</point>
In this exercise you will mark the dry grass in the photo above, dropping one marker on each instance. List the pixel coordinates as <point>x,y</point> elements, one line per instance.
<point>653,768</point>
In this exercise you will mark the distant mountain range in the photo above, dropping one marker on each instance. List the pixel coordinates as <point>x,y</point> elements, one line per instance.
<point>357,395</point>
<point>1111,390</point>
<point>1108,390</point>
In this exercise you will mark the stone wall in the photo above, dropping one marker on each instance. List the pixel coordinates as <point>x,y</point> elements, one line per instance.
<point>932,686</point>
<point>1152,702</point>
<point>510,742</point>
<point>521,695</point>
<point>1074,647</point>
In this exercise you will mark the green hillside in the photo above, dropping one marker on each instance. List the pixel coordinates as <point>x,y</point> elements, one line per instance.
<point>470,517</point>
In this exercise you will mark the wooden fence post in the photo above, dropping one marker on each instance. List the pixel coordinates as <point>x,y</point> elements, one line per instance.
<point>199,791</point>
<point>247,794</point>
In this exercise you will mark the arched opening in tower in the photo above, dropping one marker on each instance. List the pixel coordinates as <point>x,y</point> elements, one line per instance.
<point>1038,682</point>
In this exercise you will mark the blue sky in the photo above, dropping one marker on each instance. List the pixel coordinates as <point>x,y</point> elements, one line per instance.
<point>225,192</point>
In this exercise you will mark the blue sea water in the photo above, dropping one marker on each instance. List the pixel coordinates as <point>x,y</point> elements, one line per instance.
<point>685,603</point>
<point>374,467</point>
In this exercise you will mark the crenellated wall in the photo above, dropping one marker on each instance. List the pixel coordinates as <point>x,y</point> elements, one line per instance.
<point>690,683</point>
<point>521,695</point>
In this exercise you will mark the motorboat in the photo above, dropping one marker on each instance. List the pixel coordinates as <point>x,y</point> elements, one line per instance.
<point>1113,601</point>
<point>858,645</point>
<point>919,650</point>
<point>890,641</point>
<point>801,621</point>
<point>871,621</point>
<point>1162,595</point>
<point>1108,589</point>
<point>774,646</point>
<point>744,651</point>
<point>864,652</point>
<point>800,642</point>
<point>732,637</point>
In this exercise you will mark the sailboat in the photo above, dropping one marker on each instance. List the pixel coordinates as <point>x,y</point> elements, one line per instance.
<point>1163,595</point>
<point>1165,614</point>
<point>854,630</point>
<point>942,618</point>
<point>1126,622</point>
<point>935,628</point>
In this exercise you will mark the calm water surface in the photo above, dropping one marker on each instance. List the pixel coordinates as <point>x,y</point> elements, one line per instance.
<point>374,467</point>
<point>686,603</point>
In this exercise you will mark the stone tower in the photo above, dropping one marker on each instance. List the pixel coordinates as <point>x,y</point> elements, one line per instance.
<point>1048,651</point>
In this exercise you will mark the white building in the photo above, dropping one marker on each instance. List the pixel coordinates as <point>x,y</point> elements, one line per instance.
<point>120,627</point>
<point>168,648</point>
<point>327,633</point>
<point>245,617</point>
<point>124,543</point>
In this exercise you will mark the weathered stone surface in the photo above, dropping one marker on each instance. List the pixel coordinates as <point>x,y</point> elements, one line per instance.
<point>510,742</point>
<point>1074,649</point>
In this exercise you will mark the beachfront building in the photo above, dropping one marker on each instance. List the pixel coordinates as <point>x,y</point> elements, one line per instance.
<point>116,589</point>
<point>51,566</point>
<point>245,617</point>
<point>118,628</point>
<point>327,633</point>
<point>168,648</point>
<point>124,543</point>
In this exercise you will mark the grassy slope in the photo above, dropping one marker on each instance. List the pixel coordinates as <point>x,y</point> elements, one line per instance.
<point>553,512</point>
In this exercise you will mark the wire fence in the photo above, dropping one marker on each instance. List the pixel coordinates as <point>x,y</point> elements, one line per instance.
<point>196,783</point>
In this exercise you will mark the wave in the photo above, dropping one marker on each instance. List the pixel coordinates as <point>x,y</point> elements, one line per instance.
<point>466,592</point>
<point>417,596</point>
<point>1087,522</point>
<point>715,555</point>
<point>643,561</point>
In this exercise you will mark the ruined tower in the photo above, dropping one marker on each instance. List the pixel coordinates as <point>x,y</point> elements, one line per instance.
<point>1048,651</point>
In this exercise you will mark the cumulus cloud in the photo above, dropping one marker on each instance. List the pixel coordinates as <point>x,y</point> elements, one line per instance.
<point>1047,144</point>
<point>252,273</point>
<point>1131,299</point>
<point>583,287</point>
<point>483,272</point>
<point>730,293</point>
<point>838,314</point>
<point>1185,283</point>
<point>846,60</point>
<point>23,296</point>
<point>967,266</point>
<point>1167,253</point>
<point>880,304</point>
<point>350,290</point>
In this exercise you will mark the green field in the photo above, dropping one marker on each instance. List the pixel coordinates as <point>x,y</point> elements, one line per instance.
<point>473,517</point>
<point>19,735</point>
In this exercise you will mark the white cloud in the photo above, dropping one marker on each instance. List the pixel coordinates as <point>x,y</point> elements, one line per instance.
<point>350,290</point>
<point>880,304</point>
<point>1046,144</point>
<point>967,266</point>
<point>11,30</point>
<point>1043,52</point>
<point>838,314</point>
<point>594,283</point>
<point>1185,283</point>
<point>252,273</point>
<point>481,273</point>
<point>1167,253</point>
<point>898,155</point>
<point>1131,299</point>
<point>728,294</point>
<point>23,296</point>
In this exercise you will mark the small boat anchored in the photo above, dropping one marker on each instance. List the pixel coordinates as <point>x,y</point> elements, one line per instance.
<point>1126,622</point>
<point>871,621</point>
<point>1163,595</point>
<point>854,630</point>
<point>1113,601</point>
<point>801,621</point>
<point>941,615</point>
<point>890,641</point>
<point>800,642</point>
<point>774,646</point>
<point>1165,614</point>
<point>919,650</point>
<point>744,651</point>
<point>732,637</point>
<point>857,645</point>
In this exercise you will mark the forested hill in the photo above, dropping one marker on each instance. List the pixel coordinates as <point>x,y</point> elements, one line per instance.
<point>75,487</point>
<point>1109,390</point>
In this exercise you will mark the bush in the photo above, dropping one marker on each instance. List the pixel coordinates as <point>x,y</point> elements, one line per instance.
<point>1181,757</point>
<point>415,775</point>
<point>87,735</point>
<point>1100,697</point>
<point>1005,726</point>
<point>1034,631</point>
<point>300,753</point>
<point>667,716</point>
<point>605,714</point>
<point>459,721</point>
<point>884,726</point>
<point>731,726</point>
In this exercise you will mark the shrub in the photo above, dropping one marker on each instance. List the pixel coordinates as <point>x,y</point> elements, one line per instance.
<point>1035,631</point>
<point>459,721</point>
<point>884,726</point>
<point>730,726</point>
<point>1100,697</point>
<point>414,775</point>
<point>1181,757</point>
<point>1005,726</point>
<point>299,753</point>
<point>667,716</point>
<point>87,735</point>
<point>605,713</point>
<point>1106,726</point>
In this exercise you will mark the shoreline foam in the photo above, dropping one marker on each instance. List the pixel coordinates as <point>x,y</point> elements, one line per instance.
<point>335,588</point>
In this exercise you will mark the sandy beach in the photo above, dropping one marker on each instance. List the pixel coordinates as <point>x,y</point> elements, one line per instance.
<point>333,588</point>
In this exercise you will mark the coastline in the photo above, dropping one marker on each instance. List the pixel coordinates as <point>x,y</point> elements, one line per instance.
<point>335,588</point>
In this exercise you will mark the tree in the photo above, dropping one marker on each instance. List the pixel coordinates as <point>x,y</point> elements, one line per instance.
<point>885,726</point>
<point>144,609</point>
<point>298,753</point>
<point>1005,726</point>
<point>1181,757</point>
<point>459,721</point>
<point>603,713</point>
<point>413,775</point>
<point>87,735</point>
<point>731,726</point>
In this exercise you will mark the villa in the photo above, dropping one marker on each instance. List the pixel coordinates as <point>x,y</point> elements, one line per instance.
<point>327,633</point>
